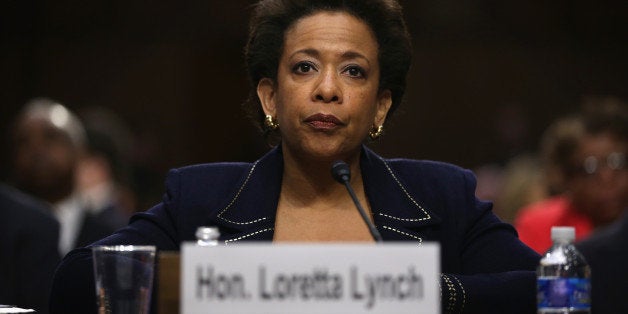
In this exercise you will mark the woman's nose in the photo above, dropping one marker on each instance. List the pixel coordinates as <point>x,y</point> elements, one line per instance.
<point>328,88</point>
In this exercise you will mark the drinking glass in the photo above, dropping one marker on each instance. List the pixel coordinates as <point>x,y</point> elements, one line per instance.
<point>124,278</point>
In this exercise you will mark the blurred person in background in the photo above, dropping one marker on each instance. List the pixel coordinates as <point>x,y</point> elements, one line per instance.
<point>103,174</point>
<point>606,251</point>
<point>521,183</point>
<point>585,158</point>
<point>48,142</point>
<point>28,250</point>
<point>514,179</point>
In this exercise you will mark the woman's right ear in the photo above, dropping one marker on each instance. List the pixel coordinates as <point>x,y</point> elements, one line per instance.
<point>266,95</point>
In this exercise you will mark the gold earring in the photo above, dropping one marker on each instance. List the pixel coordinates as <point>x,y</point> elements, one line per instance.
<point>270,123</point>
<point>375,133</point>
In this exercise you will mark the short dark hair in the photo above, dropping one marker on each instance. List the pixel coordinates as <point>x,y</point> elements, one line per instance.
<point>271,19</point>
<point>598,115</point>
<point>558,146</point>
<point>606,114</point>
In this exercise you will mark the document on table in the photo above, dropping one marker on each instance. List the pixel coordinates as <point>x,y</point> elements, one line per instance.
<point>12,309</point>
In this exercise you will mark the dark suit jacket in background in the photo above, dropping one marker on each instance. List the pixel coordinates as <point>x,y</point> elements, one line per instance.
<point>486,268</point>
<point>606,251</point>
<point>28,250</point>
<point>95,226</point>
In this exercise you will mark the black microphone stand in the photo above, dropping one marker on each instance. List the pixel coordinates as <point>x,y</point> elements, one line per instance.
<point>342,173</point>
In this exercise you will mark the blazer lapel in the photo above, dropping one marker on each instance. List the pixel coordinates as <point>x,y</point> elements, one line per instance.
<point>249,214</point>
<point>398,213</point>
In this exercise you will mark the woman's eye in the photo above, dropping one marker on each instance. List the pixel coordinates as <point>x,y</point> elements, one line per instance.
<point>355,71</point>
<point>303,67</point>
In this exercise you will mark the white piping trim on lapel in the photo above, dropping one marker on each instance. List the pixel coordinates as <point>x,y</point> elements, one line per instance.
<point>236,197</point>
<point>405,233</point>
<point>464,293</point>
<point>248,235</point>
<point>427,215</point>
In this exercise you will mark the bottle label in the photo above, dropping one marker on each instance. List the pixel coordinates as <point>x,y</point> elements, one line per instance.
<point>556,292</point>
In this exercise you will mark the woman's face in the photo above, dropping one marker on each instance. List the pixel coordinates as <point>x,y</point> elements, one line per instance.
<point>600,189</point>
<point>326,97</point>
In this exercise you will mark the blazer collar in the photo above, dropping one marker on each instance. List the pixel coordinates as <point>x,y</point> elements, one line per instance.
<point>397,210</point>
<point>249,213</point>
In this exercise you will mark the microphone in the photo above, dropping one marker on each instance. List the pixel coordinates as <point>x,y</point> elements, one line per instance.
<point>341,173</point>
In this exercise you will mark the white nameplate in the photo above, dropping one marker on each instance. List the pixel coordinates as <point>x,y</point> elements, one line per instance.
<point>310,278</point>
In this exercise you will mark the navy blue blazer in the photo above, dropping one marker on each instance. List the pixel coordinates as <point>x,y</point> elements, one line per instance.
<point>29,250</point>
<point>486,269</point>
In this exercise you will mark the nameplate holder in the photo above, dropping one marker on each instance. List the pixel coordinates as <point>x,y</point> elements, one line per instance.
<point>310,278</point>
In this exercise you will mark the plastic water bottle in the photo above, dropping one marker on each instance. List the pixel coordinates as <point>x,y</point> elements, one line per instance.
<point>563,277</point>
<point>207,236</point>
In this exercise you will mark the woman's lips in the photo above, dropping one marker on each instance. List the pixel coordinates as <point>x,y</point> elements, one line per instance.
<point>323,122</point>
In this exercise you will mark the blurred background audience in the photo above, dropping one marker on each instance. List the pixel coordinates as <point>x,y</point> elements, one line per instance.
<point>175,69</point>
<point>585,163</point>
<point>49,143</point>
<point>104,175</point>
<point>522,182</point>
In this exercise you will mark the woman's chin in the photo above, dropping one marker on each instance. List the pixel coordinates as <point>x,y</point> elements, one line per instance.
<point>327,151</point>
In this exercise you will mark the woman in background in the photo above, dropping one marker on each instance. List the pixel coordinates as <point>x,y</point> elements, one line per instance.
<point>585,159</point>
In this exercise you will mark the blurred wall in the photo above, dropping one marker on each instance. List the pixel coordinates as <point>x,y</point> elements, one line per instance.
<point>488,76</point>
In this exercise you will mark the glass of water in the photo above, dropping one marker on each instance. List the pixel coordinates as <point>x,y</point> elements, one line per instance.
<point>124,278</point>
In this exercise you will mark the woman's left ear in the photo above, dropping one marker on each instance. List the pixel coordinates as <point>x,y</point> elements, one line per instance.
<point>384,102</point>
<point>266,94</point>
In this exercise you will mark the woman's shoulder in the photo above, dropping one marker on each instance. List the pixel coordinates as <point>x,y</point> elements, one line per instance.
<point>424,164</point>
<point>213,169</point>
<point>227,170</point>
<point>434,171</point>
<point>207,179</point>
<point>425,179</point>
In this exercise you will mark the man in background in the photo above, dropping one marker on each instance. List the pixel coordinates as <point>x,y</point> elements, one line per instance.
<point>48,142</point>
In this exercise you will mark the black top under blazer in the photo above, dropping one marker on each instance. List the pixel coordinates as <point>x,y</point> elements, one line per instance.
<point>486,269</point>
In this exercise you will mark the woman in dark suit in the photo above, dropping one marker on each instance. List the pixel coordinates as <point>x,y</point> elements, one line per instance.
<point>325,76</point>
